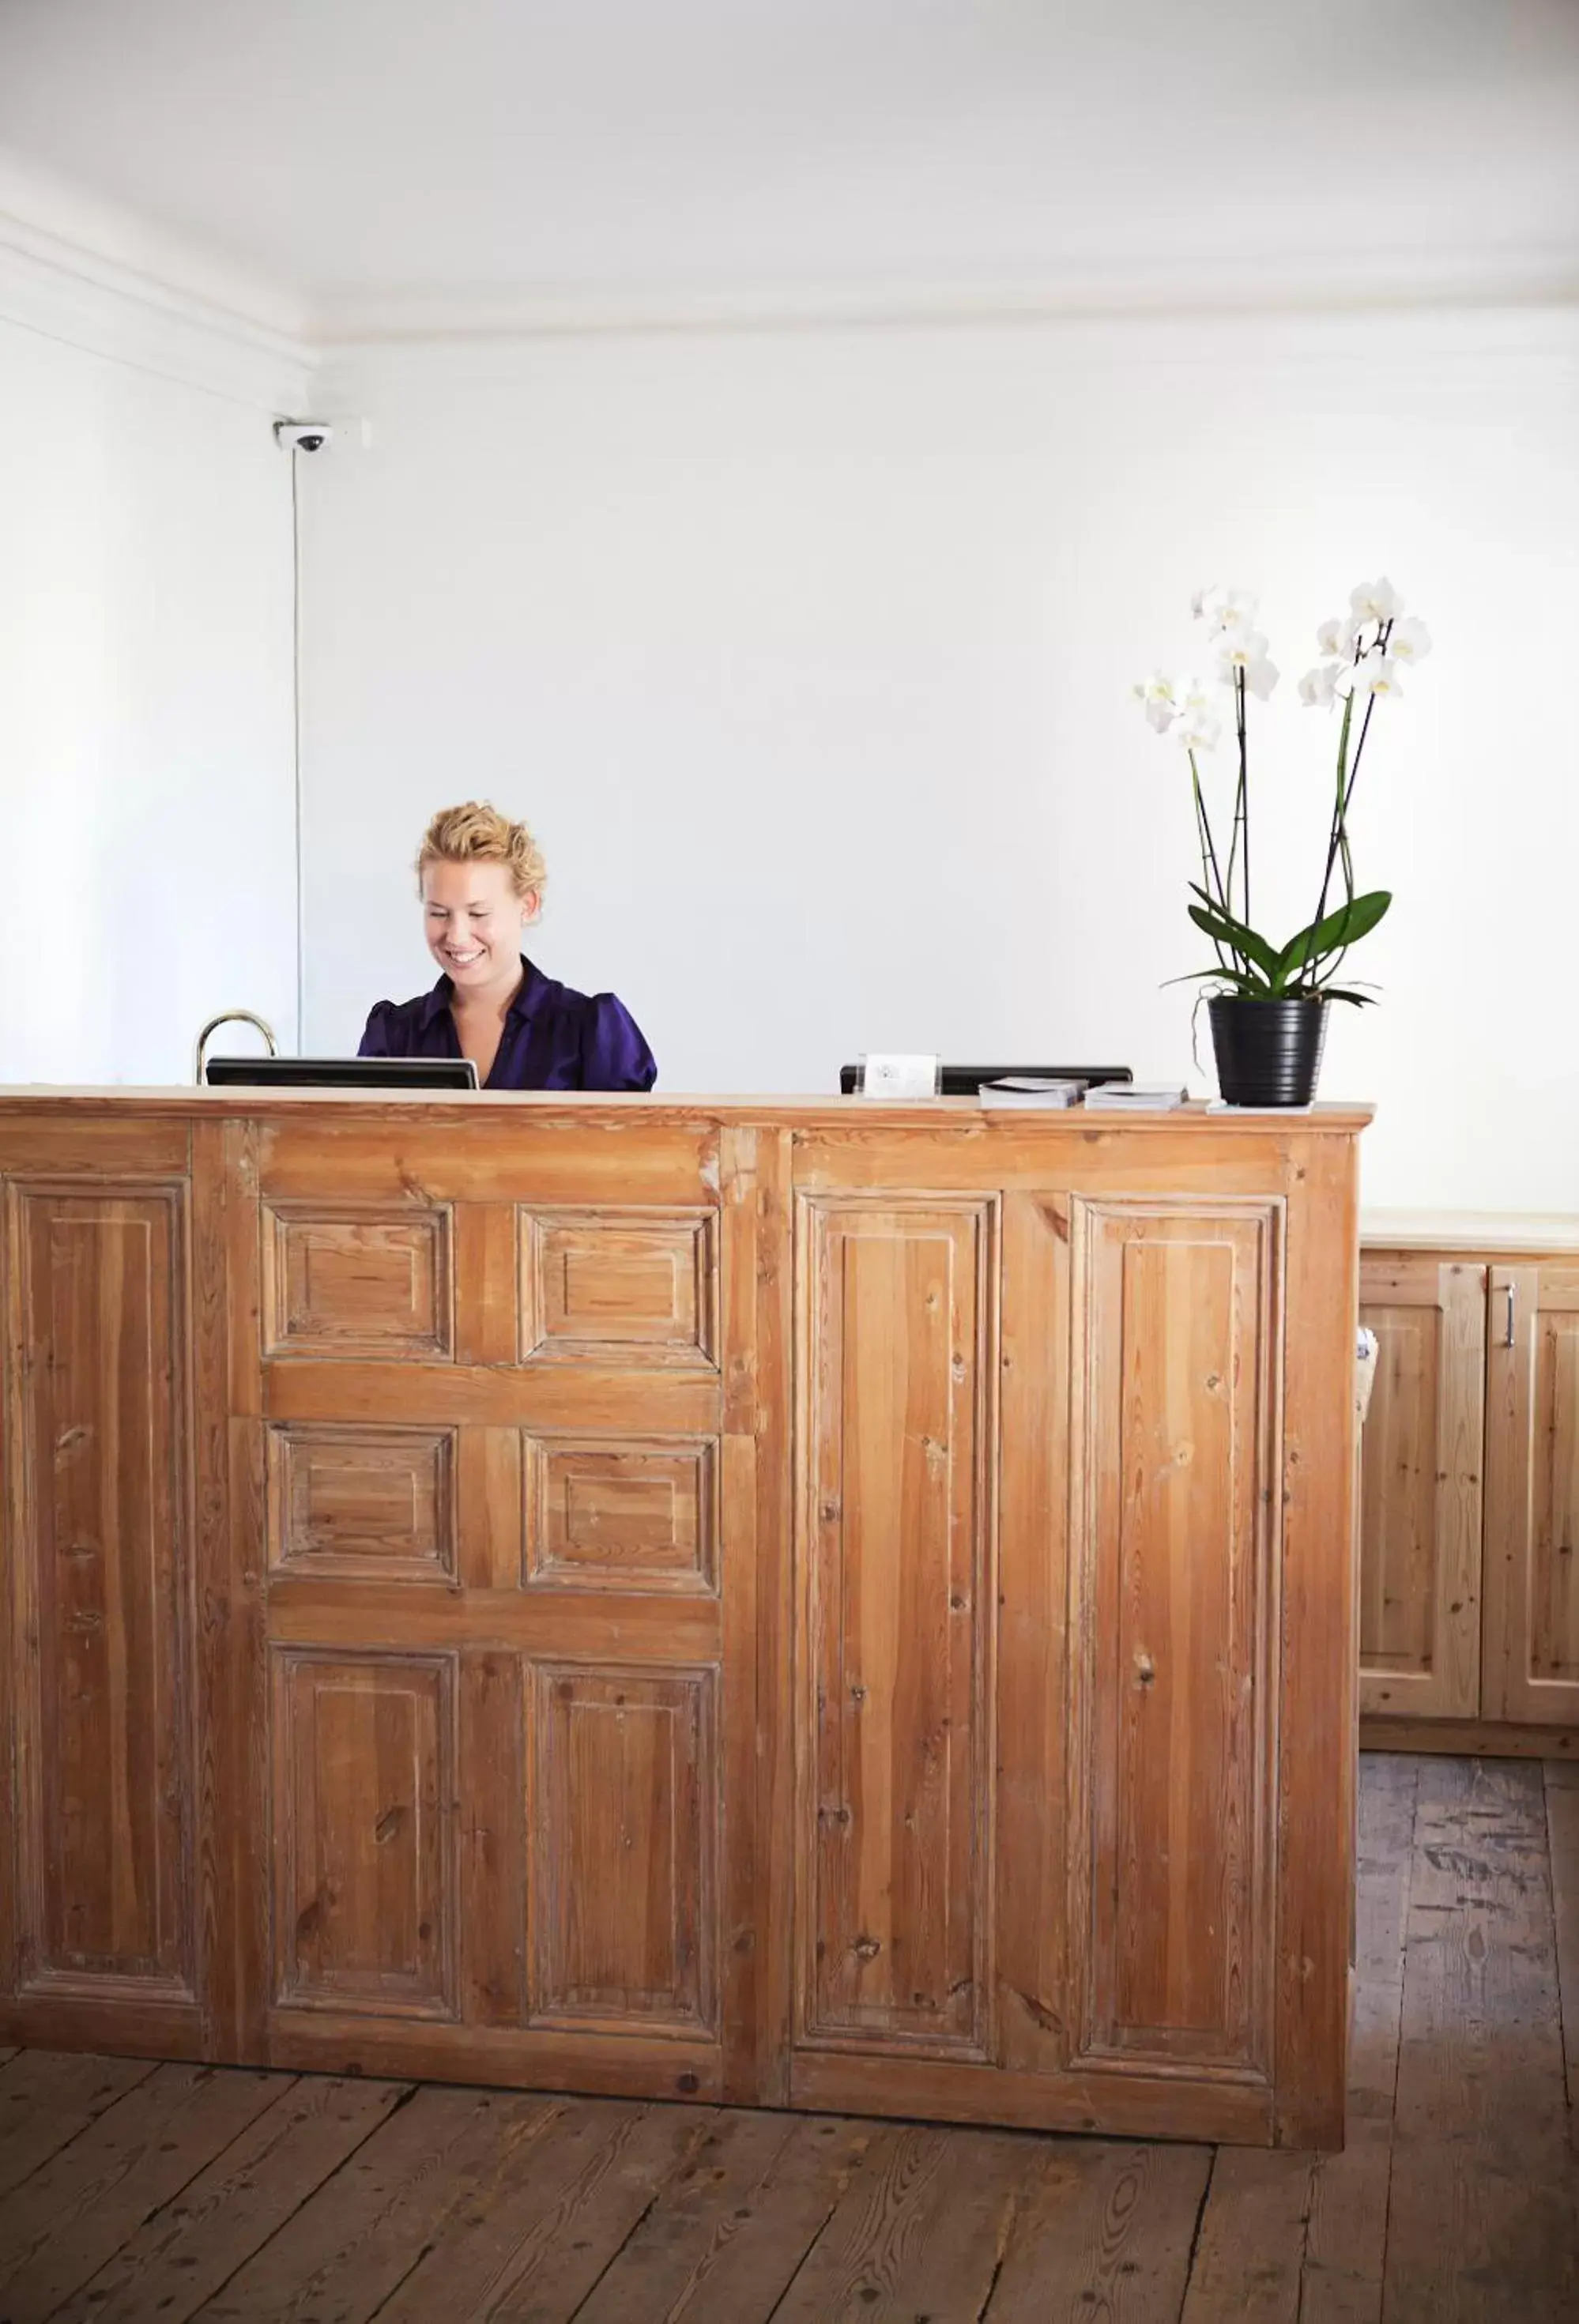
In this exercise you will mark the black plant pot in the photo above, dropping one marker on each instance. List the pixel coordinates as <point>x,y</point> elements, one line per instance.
<point>1269,1052</point>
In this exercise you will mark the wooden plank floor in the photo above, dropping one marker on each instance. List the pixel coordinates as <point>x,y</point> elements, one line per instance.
<point>132,2190</point>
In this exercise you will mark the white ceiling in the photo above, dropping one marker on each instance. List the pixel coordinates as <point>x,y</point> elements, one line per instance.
<point>404,163</point>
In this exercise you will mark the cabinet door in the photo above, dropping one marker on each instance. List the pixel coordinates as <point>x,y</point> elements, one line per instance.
<point>1420,1500</point>
<point>1532,1505</point>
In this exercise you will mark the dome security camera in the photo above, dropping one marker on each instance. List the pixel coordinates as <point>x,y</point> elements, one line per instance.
<point>302,435</point>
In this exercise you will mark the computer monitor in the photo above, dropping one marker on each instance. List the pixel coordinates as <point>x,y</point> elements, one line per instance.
<point>341,1073</point>
<point>965,1080</point>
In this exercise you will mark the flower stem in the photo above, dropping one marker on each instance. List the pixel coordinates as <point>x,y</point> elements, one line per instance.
<point>1210,876</point>
<point>1338,844</point>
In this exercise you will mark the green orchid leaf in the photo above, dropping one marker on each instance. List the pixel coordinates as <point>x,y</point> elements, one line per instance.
<point>1340,930</point>
<point>1237,936</point>
<point>1344,992</point>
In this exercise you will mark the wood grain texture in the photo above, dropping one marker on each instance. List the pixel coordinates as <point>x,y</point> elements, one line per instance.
<point>1532,1501</point>
<point>1482,2218</point>
<point>623,1894</point>
<point>408,2187</point>
<point>70,2217</point>
<point>1032,1884</point>
<point>366,1880</point>
<point>1475,1738</point>
<point>1102,2231</point>
<point>1176,1595</point>
<point>1345,2243</point>
<point>1562,1798</point>
<point>1251,2252</point>
<point>1319,1662</point>
<point>545,2224</point>
<point>195,2243</point>
<point>619,1286</point>
<point>100,1512</point>
<point>483,1403</point>
<point>730,2230</point>
<point>356,1281</point>
<point>1422,1459</point>
<point>637,1514</point>
<point>898,1359</point>
<point>547,2208</point>
<point>379,1503</point>
<point>920,2231</point>
<point>46,2099</point>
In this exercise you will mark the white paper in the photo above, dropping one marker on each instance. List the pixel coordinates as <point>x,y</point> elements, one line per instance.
<point>893,1074</point>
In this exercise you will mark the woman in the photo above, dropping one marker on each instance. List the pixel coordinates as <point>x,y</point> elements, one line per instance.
<point>481,879</point>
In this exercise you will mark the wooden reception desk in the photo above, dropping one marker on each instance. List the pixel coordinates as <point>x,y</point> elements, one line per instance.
<point>802,1603</point>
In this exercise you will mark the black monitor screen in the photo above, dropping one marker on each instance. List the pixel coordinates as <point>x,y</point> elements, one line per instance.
<point>341,1073</point>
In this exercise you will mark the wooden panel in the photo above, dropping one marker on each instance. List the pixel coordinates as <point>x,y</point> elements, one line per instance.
<point>546,1398</point>
<point>101,1570</point>
<point>364,1831</point>
<point>1173,1830</point>
<point>623,1806</point>
<point>569,1625</point>
<point>378,1502</point>
<point>1532,1505</point>
<point>622,1514</point>
<point>356,1283</point>
<point>490,1154</point>
<point>1314,1488</point>
<point>1422,1454</point>
<point>618,1286</point>
<point>1033,1599</point>
<point>898,1359</point>
<point>757,1617</point>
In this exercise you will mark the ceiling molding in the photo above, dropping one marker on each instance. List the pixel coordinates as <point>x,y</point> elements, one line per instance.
<point>1383,280</point>
<point>89,299</point>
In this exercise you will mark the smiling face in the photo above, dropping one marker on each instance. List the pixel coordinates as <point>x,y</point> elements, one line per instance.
<point>474,921</point>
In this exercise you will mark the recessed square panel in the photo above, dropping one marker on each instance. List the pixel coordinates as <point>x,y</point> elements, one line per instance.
<point>618,1286</point>
<point>378,1502</point>
<point>627,1514</point>
<point>356,1283</point>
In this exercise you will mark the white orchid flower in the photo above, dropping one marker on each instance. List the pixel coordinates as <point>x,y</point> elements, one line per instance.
<point>1378,678</point>
<point>1319,686</point>
<point>1197,733</point>
<point>1376,601</point>
<point>1228,612</point>
<point>1409,641</point>
<point>1156,697</point>
<point>1337,637</point>
<point>1247,657</point>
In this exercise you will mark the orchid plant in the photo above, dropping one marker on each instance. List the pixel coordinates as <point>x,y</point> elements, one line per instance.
<point>1363,655</point>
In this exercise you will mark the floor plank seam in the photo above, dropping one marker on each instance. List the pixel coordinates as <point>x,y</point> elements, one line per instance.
<point>399,2285</point>
<point>818,2233</point>
<point>1398,2047</point>
<point>1196,2232</point>
<point>217,2291</point>
<point>637,2225</point>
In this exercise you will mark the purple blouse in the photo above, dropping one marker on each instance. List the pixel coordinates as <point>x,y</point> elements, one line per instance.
<point>553,1039</point>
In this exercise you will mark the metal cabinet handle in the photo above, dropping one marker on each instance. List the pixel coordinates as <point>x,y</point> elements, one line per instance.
<point>1511,1293</point>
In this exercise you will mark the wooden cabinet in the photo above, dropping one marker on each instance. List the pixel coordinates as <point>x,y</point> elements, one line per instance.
<point>1532,1495</point>
<point>822,1606</point>
<point>1468,1604</point>
<point>1421,1494</point>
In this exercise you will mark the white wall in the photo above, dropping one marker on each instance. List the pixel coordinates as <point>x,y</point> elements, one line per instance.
<point>808,653</point>
<point>147,780</point>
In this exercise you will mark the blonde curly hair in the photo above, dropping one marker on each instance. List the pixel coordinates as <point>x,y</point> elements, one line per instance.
<point>476,833</point>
